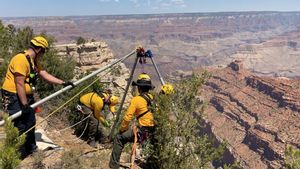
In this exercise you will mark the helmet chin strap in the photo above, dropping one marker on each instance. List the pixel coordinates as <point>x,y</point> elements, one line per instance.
<point>36,54</point>
<point>106,100</point>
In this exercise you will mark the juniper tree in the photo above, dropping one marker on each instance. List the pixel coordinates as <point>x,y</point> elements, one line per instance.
<point>178,142</point>
<point>9,154</point>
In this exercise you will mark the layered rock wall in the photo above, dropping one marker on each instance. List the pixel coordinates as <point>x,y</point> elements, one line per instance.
<point>94,55</point>
<point>257,116</point>
<point>88,55</point>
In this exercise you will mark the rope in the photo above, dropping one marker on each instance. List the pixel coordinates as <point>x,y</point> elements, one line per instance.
<point>77,122</point>
<point>79,137</point>
<point>67,102</point>
<point>86,125</point>
<point>133,153</point>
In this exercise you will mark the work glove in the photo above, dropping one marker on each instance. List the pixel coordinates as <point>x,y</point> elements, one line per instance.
<point>26,109</point>
<point>65,84</point>
<point>106,124</point>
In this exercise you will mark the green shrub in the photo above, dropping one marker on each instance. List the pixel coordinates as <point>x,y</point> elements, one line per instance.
<point>9,154</point>
<point>71,160</point>
<point>178,142</point>
<point>80,40</point>
<point>292,157</point>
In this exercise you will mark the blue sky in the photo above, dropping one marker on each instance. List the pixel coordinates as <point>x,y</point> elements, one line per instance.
<point>11,8</point>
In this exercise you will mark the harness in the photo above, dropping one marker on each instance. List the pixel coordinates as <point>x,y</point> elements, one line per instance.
<point>149,104</point>
<point>103,98</point>
<point>32,73</point>
<point>79,105</point>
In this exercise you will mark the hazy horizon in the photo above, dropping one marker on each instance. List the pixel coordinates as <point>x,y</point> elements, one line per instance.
<point>34,8</point>
<point>135,14</point>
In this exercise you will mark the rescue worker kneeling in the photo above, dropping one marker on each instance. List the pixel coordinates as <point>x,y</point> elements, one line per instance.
<point>95,102</point>
<point>138,108</point>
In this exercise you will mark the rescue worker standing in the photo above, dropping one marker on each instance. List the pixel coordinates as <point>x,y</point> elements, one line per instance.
<point>18,86</point>
<point>95,102</point>
<point>138,108</point>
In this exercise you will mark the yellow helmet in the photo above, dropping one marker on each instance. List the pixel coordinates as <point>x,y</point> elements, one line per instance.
<point>113,101</point>
<point>167,89</point>
<point>144,76</point>
<point>143,80</point>
<point>40,42</point>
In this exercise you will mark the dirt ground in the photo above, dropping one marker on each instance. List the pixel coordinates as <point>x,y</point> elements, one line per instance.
<point>72,152</point>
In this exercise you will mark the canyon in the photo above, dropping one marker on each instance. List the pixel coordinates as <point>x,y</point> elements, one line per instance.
<point>253,57</point>
<point>256,116</point>
<point>266,41</point>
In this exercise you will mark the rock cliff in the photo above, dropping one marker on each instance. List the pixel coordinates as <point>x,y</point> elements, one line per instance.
<point>94,55</point>
<point>257,116</point>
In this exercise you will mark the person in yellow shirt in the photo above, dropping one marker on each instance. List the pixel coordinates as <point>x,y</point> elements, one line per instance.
<point>17,89</point>
<point>140,109</point>
<point>95,102</point>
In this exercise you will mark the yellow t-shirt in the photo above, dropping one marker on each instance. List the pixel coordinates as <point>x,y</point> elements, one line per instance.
<point>94,102</point>
<point>18,64</point>
<point>138,105</point>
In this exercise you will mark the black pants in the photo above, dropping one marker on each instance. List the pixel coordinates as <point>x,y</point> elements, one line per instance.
<point>93,132</point>
<point>11,105</point>
<point>128,137</point>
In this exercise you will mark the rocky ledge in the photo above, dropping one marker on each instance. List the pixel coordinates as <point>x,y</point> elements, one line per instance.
<point>94,55</point>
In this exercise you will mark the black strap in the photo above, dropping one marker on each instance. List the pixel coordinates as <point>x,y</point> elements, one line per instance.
<point>29,61</point>
<point>141,115</point>
<point>91,98</point>
<point>148,99</point>
<point>11,71</point>
<point>32,80</point>
<point>103,98</point>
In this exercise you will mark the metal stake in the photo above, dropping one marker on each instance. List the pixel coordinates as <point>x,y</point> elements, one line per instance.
<point>123,99</point>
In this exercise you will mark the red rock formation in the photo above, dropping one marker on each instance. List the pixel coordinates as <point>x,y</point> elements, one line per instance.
<point>257,116</point>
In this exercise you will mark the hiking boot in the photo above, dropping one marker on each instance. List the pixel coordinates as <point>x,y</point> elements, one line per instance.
<point>105,140</point>
<point>113,166</point>
<point>92,143</point>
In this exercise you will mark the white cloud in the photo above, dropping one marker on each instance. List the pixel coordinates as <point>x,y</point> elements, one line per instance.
<point>167,4</point>
<point>158,4</point>
<point>108,0</point>
<point>136,3</point>
<point>178,2</point>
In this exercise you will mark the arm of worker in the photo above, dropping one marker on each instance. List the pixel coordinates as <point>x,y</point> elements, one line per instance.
<point>50,78</point>
<point>20,86</point>
<point>128,116</point>
<point>101,118</point>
